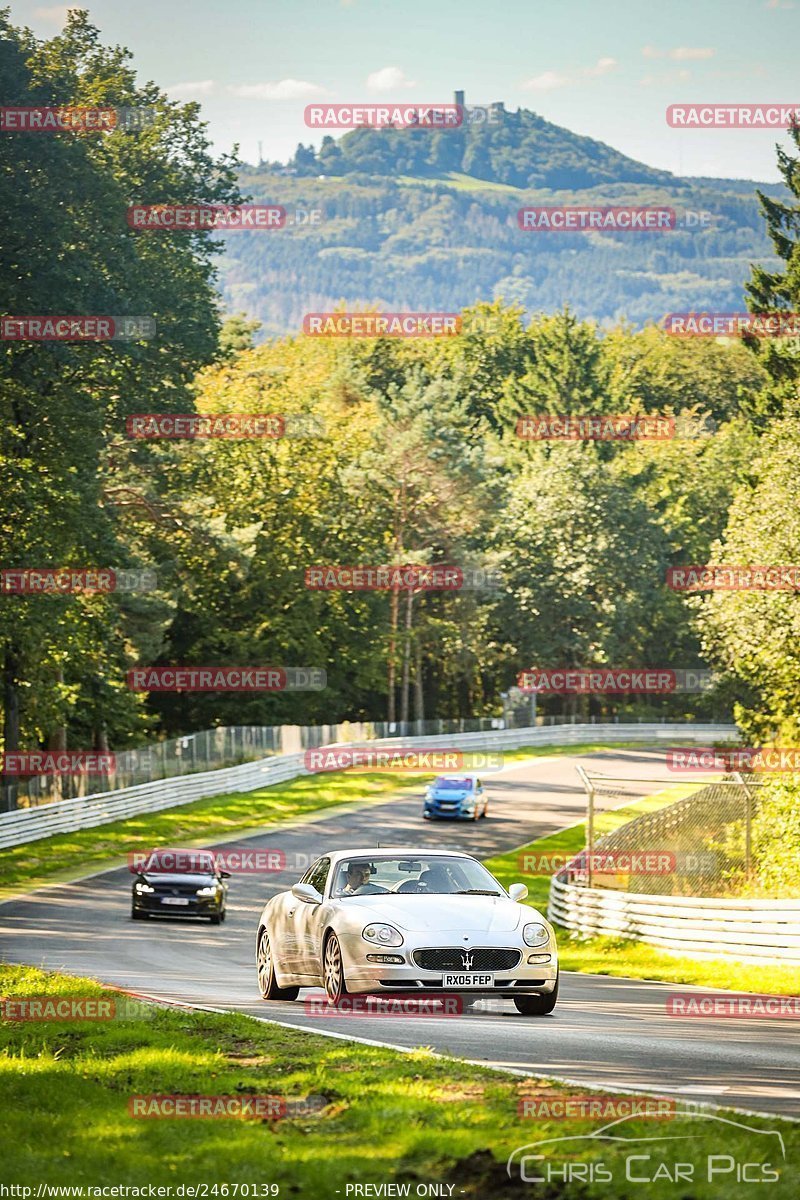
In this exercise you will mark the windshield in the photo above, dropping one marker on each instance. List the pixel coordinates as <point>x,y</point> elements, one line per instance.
<point>423,875</point>
<point>178,862</point>
<point>453,785</point>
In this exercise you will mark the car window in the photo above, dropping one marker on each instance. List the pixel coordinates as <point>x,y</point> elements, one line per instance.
<point>421,875</point>
<point>317,874</point>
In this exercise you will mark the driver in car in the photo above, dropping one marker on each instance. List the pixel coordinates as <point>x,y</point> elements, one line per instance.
<point>358,874</point>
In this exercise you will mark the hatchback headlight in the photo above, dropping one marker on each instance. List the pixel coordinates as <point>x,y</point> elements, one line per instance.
<point>383,935</point>
<point>535,935</point>
<point>207,891</point>
<point>144,887</point>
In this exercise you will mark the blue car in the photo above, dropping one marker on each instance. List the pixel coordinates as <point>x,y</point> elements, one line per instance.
<point>460,797</point>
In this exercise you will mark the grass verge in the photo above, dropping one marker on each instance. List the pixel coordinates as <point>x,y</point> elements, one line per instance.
<point>208,822</point>
<point>384,1117</point>
<point>617,956</point>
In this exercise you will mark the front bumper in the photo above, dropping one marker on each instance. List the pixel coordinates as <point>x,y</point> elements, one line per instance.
<point>451,814</point>
<point>197,906</point>
<point>524,979</point>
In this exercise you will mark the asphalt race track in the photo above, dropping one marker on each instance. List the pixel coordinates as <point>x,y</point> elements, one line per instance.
<point>606,1032</point>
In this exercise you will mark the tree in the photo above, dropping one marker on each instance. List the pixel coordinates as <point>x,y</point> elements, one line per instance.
<point>779,290</point>
<point>753,636</point>
<point>69,251</point>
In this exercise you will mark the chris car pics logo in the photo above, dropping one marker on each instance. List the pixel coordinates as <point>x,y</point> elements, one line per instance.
<point>619,1153</point>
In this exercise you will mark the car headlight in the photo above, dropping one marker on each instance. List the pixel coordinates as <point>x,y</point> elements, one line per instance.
<point>144,887</point>
<point>207,891</point>
<point>535,935</point>
<point>428,793</point>
<point>383,935</point>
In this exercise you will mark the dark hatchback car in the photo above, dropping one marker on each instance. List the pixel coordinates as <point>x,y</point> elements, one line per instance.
<point>199,890</point>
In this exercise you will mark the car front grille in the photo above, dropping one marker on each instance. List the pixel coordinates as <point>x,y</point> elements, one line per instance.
<point>455,958</point>
<point>175,889</point>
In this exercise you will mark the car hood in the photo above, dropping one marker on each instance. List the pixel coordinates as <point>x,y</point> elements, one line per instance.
<point>440,914</point>
<point>449,794</point>
<point>165,877</point>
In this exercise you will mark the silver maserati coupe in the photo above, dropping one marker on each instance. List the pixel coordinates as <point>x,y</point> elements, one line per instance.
<point>400,921</point>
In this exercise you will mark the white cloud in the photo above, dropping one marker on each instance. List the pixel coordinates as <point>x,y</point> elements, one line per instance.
<point>388,79</point>
<point>200,87</point>
<point>549,80</point>
<point>679,53</point>
<point>685,53</point>
<point>546,82</point>
<point>601,67</point>
<point>677,76</point>
<point>284,89</point>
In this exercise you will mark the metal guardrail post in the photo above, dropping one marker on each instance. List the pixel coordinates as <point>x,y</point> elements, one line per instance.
<point>748,825</point>
<point>587,783</point>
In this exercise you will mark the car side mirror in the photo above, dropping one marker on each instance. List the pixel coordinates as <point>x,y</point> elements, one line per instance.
<point>518,891</point>
<point>224,874</point>
<point>306,893</point>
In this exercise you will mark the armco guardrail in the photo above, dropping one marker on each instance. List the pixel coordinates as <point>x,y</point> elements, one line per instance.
<point>68,816</point>
<point>759,931</point>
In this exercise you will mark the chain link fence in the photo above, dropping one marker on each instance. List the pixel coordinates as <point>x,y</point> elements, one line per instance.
<point>701,844</point>
<point>230,745</point>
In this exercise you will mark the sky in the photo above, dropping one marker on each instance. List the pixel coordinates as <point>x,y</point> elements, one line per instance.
<point>606,70</point>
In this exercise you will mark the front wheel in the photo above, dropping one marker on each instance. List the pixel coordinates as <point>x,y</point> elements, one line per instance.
<point>537,1006</point>
<point>333,970</point>
<point>267,985</point>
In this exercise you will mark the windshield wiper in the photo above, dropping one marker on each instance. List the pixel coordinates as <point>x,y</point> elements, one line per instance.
<point>476,892</point>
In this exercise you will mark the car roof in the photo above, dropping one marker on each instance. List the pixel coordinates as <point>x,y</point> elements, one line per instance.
<point>183,850</point>
<point>394,852</point>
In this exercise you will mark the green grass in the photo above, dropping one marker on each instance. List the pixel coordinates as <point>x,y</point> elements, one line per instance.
<point>617,956</point>
<point>211,821</point>
<point>385,1116</point>
<point>463,183</point>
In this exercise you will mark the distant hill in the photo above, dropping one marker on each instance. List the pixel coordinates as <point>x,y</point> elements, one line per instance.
<point>518,148</point>
<point>416,219</point>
